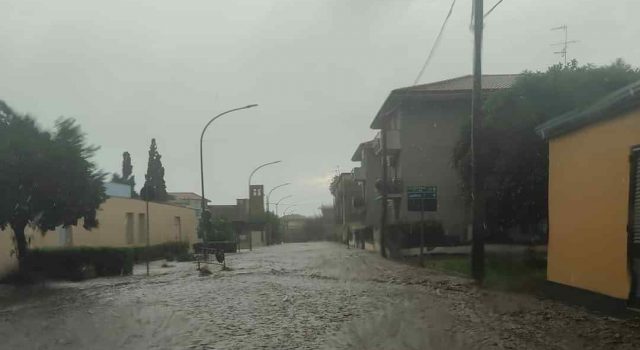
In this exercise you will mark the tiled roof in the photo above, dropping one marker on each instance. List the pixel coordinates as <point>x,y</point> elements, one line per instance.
<point>357,155</point>
<point>612,105</point>
<point>451,88</point>
<point>489,82</point>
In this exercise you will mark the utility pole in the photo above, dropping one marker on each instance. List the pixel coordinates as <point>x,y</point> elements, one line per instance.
<point>344,208</point>
<point>421,232</point>
<point>148,238</point>
<point>383,217</point>
<point>565,43</point>
<point>477,217</point>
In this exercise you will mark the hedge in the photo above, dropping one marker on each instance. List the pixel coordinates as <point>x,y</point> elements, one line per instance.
<point>79,263</point>
<point>169,250</point>
<point>407,235</point>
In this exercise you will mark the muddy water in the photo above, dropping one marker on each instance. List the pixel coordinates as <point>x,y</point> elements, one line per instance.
<point>294,296</point>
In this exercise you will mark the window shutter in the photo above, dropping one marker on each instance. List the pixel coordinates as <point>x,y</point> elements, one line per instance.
<point>635,194</point>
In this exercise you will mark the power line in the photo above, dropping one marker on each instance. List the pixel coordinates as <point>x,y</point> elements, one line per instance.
<point>493,8</point>
<point>435,44</point>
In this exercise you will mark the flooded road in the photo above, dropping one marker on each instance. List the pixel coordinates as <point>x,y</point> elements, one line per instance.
<point>295,296</point>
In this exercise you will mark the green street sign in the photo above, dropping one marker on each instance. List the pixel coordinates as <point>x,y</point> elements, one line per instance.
<point>422,198</point>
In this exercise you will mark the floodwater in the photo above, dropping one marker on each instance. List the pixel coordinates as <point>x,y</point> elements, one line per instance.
<point>296,296</point>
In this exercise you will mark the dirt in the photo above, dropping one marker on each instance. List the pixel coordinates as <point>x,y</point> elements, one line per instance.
<point>296,296</point>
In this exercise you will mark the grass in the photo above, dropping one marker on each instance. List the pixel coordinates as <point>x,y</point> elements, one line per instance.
<point>525,274</point>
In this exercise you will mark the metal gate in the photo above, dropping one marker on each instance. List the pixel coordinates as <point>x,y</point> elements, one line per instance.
<point>633,227</point>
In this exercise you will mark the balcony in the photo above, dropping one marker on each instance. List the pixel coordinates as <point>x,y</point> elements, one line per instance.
<point>393,142</point>
<point>359,174</point>
<point>394,187</point>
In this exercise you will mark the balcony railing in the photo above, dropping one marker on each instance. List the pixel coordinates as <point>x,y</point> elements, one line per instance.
<point>393,142</point>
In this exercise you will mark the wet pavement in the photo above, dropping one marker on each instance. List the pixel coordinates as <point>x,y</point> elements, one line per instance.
<point>296,296</point>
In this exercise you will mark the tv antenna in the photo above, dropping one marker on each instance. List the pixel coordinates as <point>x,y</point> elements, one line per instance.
<point>563,44</point>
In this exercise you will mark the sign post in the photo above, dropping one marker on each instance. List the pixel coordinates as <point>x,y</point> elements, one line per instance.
<point>422,233</point>
<point>422,198</point>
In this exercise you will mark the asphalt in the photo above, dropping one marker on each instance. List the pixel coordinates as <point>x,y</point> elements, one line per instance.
<point>296,296</point>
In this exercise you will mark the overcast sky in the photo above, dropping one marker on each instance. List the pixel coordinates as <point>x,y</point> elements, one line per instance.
<point>130,71</point>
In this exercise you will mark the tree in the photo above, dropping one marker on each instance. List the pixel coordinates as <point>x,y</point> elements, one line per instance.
<point>154,189</point>
<point>126,178</point>
<point>47,179</point>
<point>272,222</point>
<point>333,185</point>
<point>512,158</point>
<point>127,168</point>
<point>222,230</point>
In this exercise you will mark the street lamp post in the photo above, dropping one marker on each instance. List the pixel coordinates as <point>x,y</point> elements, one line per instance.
<point>203,204</point>
<point>284,212</point>
<point>249,214</point>
<point>270,225</point>
<point>280,200</point>
<point>273,189</point>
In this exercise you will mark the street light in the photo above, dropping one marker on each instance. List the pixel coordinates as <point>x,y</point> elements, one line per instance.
<point>269,224</point>
<point>203,203</point>
<point>273,189</point>
<point>287,208</point>
<point>280,200</point>
<point>260,167</point>
<point>286,221</point>
<point>249,216</point>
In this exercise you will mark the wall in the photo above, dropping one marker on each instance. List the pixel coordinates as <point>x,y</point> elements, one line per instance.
<point>588,206</point>
<point>429,133</point>
<point>7,261</point>
<point>372,166</point>
<point>257,239</point>
<point>112,230</point>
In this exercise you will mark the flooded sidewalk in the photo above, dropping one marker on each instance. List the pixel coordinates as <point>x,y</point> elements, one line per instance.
<point>295,296</point>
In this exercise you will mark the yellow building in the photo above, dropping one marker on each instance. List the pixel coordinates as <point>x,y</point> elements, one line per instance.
<point>594,196</point>
<point>122,223</point>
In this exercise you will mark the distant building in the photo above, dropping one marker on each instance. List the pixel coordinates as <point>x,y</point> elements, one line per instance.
<point>189,200</point>
<point>247,234</point>
<point>293,228</point>
<point>422,125</point>
<point>114,189</point>
<point>348,204</point>
<point>257,216</point>
<point>366,175</point>
<point>594,197</point>
<point>328,221</point>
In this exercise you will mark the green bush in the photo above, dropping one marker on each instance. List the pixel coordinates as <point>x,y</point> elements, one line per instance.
<point>169,251</point>
<point>79,263</point>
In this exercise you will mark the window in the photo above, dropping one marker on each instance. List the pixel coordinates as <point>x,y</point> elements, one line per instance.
<point>128,224</point>
<point>142,228</point>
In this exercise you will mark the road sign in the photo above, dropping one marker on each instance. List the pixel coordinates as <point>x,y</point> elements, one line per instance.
<point>422,198</point>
